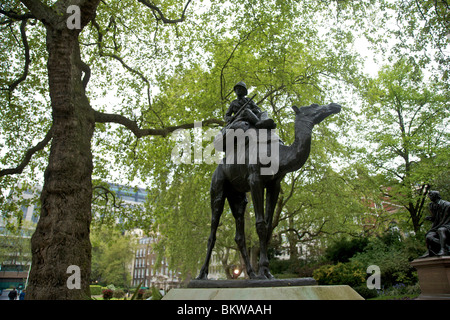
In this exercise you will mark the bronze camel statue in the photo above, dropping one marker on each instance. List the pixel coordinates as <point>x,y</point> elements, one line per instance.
<point>231,181</point>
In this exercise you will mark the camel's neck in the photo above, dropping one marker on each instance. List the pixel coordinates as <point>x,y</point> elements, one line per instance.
<point>303,130</point>
<point>293,157</point>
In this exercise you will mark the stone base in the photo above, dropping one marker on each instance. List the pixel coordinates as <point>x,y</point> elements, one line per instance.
<point>434,277</point>
<point>266,293</point>
<point>252,283</point>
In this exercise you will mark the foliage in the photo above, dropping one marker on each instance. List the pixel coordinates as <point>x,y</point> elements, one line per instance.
<point>424,33</point>
<point>136,291</point>
<point>343,249</point>
<point>294,268</point>
<point>111,286</point>
<point>155,294</point>
<point>279,267</point>
<point>305,216</point>
<point>392,254</point>
<point>96,290</point>
<point>181,219</point>
<point>15,244</point>
<point>107,294</point>
<point>141,294</point>
<point>399,291</point>
<point>406,125</point>
<point>111,255</point>
<point>118,294</point>
<point>350,273</point>
<point>283,64</point>
<point>289,52</point>
<point>365,292</point>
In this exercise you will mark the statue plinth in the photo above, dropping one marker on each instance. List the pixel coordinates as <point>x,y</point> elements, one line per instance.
<point>250,283</point>
<point>434,277</point>
<point>274,289</point>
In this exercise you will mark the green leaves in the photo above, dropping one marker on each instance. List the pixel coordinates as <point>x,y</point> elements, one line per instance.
<point>407,123</point>
<point>288,52</point>
<point>111,255</point>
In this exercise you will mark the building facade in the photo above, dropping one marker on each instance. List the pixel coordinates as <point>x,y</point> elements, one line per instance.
<point>15,251</point>
<point>151,271</point>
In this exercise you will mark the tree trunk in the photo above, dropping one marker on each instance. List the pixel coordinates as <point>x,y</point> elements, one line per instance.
<point>292,239</point>
<point>415,217</point>
<point>61,238</point>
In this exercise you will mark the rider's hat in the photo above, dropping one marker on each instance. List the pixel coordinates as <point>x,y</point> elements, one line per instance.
<point>241,84</point>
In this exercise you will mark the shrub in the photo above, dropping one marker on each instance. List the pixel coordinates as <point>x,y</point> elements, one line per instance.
<point>292,268</point>
<point>413,290</point>
<point>140,294</point>
<point>352,274</point>
<point>155,294</point>
<point>400,289</point>
<point>365,292</point>
<point>107,294</point>
<point>392,258</point>
<point>118,294</point>
<point>342,250</point>
<point>111,286</point>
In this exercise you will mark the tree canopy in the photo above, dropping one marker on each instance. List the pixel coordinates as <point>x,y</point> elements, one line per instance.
<point>102,103</point>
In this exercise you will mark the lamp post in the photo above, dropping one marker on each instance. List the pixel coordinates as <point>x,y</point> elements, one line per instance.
<point>236,272</point>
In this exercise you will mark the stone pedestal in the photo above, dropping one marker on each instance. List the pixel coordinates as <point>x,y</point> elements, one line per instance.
<point>250,283</point>
<point>434,277</point>
<point>285,289</point>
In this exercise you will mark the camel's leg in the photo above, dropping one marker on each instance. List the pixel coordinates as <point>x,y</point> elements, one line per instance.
<point>272,193</point>
<point>238,202</point>
<point>257,191</point>
<point>217,204</point>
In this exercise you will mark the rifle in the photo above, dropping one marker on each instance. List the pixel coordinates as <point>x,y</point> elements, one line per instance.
<point>240,110</point>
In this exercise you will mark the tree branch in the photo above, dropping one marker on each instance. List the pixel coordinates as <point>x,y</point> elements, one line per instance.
<point>269,93</point>
<point>15,16</point>
<point>39,10</point>
<point>54,15</point>
<point>126,66</point>
<point>24,75</point>
<point>30,152</point>
<point>87,73</point>
<point>312,234</point>
<point>422,197</point>
<point>222,76</point>
<point>88,10</point>
<point>159,14</point>
<point>138,132</point>
<point>105,194</point>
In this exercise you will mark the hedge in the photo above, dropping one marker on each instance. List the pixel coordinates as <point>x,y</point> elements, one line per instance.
<point>351,274</point>
<point>96,290</point>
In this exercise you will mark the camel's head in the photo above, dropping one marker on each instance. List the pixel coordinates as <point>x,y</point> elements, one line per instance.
<point>316,113</point>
